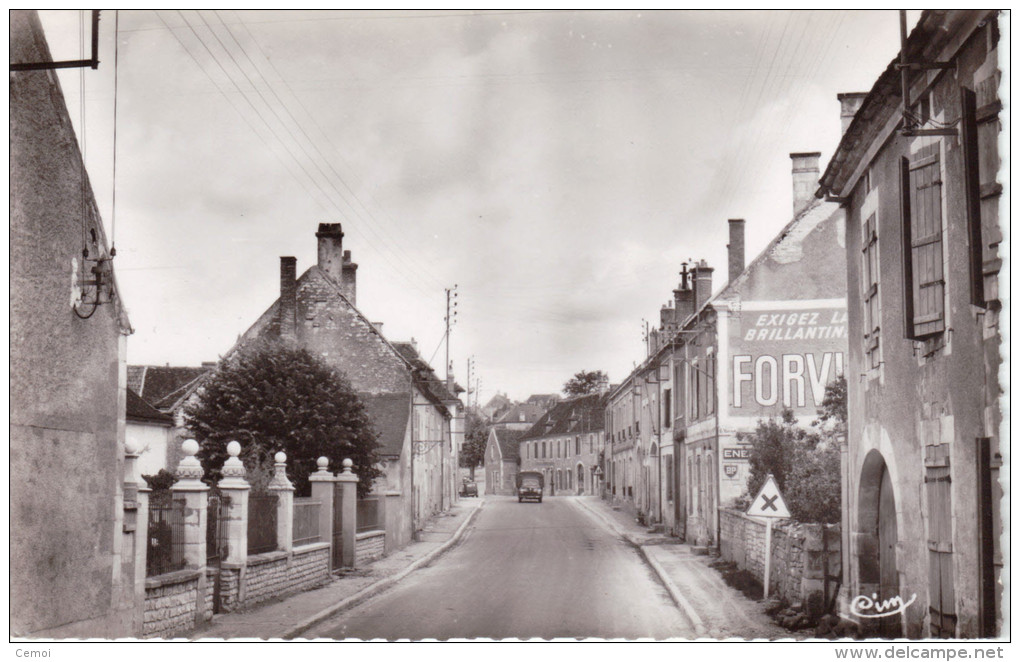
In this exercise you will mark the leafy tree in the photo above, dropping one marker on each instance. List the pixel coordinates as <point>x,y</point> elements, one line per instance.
<point>160,481</point>
<point>476,434</point>
<point>804,461</point>
<point>585,382</point>
<point>270,398</point>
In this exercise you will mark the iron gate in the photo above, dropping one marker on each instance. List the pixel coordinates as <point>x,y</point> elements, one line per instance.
<point>338,529</point>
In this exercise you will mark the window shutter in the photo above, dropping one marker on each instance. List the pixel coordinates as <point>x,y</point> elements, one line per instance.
<point>941,591</point>
<point>923,227</point>
<point>972,186</point>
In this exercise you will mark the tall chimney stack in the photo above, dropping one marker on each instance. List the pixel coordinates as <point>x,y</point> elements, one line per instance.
<point>736,248</point>
<point>331,245</point>
<point>805,179</point>
<point>683,297</point>
<point>349,282</point>
<point>849,104</point>
<point>288,299</point>
<point>702,284</point>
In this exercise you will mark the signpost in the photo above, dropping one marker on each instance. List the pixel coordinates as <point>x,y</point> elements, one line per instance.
<point>768,504</point>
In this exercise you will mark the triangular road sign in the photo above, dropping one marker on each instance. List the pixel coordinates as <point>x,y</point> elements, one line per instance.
<point>769,502</point>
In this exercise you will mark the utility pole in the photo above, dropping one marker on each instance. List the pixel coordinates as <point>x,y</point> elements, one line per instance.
<point>470,374</point>
<point>451,320</point>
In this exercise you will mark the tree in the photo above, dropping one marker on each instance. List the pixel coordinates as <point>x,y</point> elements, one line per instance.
<point>804,461</point>
<point>476,435</point>
<point>585,382</point>
<point>270,398</point>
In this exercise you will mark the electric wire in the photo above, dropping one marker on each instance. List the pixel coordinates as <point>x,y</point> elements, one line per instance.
<point>301,129</point>
<point>116,76</point>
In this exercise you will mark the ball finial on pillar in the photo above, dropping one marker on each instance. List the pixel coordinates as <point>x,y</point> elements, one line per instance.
<point>189,470</point>
<point>348,464</point>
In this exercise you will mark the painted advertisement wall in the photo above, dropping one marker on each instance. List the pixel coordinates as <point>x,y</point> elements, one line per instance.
<point>783,358</point>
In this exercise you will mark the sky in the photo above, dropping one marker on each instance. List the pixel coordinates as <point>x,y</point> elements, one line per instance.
<point>556,167</point>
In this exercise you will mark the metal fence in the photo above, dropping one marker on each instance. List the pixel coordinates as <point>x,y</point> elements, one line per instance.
<point>262,523</point>
<point>369,512</point>
<point>306,521</point>
<point>165,535</point>
<point>215,530</point>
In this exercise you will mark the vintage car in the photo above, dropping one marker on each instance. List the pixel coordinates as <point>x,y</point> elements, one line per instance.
<point>529,486</point>
<point>469,488</point>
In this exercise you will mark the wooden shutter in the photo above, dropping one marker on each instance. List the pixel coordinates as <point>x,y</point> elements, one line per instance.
<point>926,284</point>
<point>941,591</point>
<point>972,187</point>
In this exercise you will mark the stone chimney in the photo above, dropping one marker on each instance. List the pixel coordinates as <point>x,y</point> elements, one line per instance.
<point>736,248</point>
<point>667,315</point>
<point>349,280</point>
<point>849,104</point>
<point>805,179</point>
<point>288,299</point>
<point>331,245</point>
<point>702,284</point>
<point>683,297</point>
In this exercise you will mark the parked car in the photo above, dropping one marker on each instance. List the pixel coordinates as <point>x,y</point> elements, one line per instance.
<point>529,486</point>
<point>469,488</point>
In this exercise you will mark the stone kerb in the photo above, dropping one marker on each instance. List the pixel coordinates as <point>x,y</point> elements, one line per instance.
<point>284,491</point>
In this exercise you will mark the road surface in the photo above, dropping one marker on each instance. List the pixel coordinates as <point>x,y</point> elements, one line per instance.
<point>523,570</point>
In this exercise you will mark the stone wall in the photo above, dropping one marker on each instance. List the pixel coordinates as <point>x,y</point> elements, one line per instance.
<point>170,604</point>
<point>370,546</point>
<point>801,556</point>
<point>266,576</point>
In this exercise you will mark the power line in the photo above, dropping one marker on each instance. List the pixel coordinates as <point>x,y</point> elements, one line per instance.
<point>423,270</point>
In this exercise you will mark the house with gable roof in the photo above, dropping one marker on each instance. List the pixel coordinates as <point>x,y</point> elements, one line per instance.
<point>502,460</point>
<point>414,411</point>
<point>566,445</point>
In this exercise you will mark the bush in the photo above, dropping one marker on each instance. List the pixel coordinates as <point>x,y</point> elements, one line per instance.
<point>804,461</point>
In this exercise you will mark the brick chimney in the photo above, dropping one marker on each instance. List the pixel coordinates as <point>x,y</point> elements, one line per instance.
<point>805,179</point>
<point>288,299</point>
<point>331,245</point>
<point>702,284</point>
<point>349,280</point>
<point>667,315</point>
<point>736,248</point>
<point>683,297</point>
<point>849,104</point>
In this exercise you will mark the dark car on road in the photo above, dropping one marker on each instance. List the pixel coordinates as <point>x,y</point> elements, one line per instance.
<point>469,488</point>
<point>529,486</point>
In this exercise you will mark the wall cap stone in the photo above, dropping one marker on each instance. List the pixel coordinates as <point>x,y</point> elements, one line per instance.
<point>364,535</point>
<point>175,577</point>
<point>268,557</point>
<point>310,547</point>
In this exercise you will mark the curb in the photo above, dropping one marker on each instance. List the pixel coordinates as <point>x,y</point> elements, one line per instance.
<point>679,600</point>
<point>375,589</point>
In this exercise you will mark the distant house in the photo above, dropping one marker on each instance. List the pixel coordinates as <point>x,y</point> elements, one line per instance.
<point>167,389</point>
<point>520,416</point>
<point>566,444</point>
<point>415,413</point>
<point>73,511</point>
<point>150,433</point>
<point>502,461</point>
<point>496,406</point>
<point>544,400</point>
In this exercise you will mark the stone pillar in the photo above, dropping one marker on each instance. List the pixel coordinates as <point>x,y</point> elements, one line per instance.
<point>322,491</point>
<point>234,489</point>
<point>195,493</point>
<point>349,502</point>
<point>284,490</point>
<point>136,524</point>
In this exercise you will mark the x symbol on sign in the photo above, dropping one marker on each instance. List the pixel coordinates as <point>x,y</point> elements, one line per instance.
<point>770,502</point>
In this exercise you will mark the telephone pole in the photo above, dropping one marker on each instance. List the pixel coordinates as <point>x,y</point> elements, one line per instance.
<point>451,320</point>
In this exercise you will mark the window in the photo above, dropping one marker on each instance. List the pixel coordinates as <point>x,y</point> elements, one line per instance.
<point>869,295</point>
<point>710,384</point>
<point>695,390</point>
<point>666,401</point>
<point>577,445</point>
<point>923,278</point>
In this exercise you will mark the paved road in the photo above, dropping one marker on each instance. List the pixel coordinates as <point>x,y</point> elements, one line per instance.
<point>523,571</point>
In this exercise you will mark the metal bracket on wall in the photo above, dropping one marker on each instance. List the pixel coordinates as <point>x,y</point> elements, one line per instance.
<point>92,62</point>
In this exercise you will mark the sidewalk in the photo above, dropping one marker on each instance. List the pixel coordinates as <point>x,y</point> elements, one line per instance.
<point>291,616</point>
<point>715,610</point>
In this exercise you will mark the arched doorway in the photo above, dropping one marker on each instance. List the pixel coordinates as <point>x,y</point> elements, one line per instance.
<point>877,536</point>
